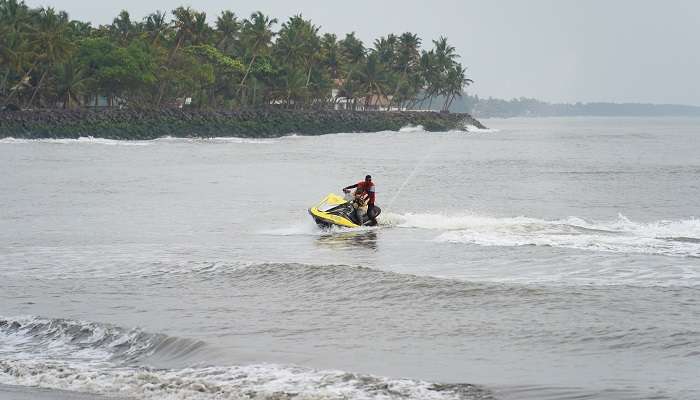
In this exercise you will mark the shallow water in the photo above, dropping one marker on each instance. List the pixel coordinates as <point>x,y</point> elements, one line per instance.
<point>544,259</point>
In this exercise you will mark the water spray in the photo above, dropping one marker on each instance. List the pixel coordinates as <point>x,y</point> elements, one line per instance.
<point>413,173</point>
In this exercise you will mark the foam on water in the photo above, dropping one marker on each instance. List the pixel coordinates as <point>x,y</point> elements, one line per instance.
<point>665,237</point>
<point>261,381</point>
<point>412,128</point>
<point>40,352</point>
<point>166,139</point>
<point>474,129</point>
<point>225,139</point>
<point>80,140</point>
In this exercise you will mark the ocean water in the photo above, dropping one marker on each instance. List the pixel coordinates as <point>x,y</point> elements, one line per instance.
<point>540,259</point>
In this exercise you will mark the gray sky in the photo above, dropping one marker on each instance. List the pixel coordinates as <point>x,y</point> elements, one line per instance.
<point>554,50</point>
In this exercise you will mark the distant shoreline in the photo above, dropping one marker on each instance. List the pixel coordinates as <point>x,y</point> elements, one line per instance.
<point>132,124</point>
<point>527,107</point>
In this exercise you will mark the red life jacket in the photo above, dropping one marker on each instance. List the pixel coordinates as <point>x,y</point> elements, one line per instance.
<point>368,188</point>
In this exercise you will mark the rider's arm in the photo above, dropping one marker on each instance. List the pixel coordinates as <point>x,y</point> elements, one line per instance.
<point>371,195</point>
<point>350,187</point>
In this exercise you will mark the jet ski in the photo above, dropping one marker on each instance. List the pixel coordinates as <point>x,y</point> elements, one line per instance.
<point>339,211</point>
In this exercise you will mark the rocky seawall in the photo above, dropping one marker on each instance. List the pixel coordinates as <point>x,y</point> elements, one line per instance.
<point>151,124</point>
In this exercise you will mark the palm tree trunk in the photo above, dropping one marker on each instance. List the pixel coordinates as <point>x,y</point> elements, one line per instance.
<point>308,76</point>
<point>36,89</point>
<point>161,87</point>
<point>250,66</point>
<point>3,85</point>
<point>398,85</point>
<point>12,93</point>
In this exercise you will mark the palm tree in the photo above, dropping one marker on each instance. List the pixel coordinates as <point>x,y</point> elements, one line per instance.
<point>80,30</point>
<point>72,82</point>
<point>352,49</point>
<point>407,60</point>
<point>122,28</point>
<point>155,27</point>
<point>256,35</point>
<point>15,50</point>
<point>52,42</point>
<point>373,78</point>
<point>188,24</point>
<point>330,54</point>
<point>15,53</point>
<point>430,72</point>
<point>185,24</point>
<point>385,47</point>
<point>352,55</point>
<point>228,29</point>
<point>298,45</point>
<point>445,55</point>
<point>200,30</point>
<point>455,82</point>
<point>14,15</point>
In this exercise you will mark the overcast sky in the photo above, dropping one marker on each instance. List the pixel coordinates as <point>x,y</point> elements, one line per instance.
<point>554,50</point>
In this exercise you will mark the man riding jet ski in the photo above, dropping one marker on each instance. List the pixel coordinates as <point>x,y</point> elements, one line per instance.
<point>352,211</point>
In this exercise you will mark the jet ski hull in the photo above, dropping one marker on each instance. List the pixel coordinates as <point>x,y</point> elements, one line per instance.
<point>334,210</point>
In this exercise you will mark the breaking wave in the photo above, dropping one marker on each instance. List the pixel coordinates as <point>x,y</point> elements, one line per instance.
<point>412,128</point>
<point>622,235</point>
<point>32,338</point>
<point>29,358</point>
<point>474,129</point>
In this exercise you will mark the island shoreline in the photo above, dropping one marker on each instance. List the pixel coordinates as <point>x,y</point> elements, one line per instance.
<point>134,124</point>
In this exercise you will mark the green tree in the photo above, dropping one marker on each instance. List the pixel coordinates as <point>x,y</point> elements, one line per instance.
<point>15,49</point>
<point>352,53</point>
<point>257,37</point>
<point>297,49</point>
<point>122,29</point>
<point>373,80</point>
<point>455,82</point>
<point>407,65</point>
<point>156,27</point>
<point>51,40</point>
<point>48,60</point>
<point>330,54</point>
<point>72,83</point>
<point>188,26</point>
<point>227,33</point>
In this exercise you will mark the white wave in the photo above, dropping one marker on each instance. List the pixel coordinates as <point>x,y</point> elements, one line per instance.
<point>79,356</point>
<point>672,238</point>
<point>261,381</point>
<point>222,139</point>
<point>474,129</point>
<point>165,139</point>
<point>412,128</point>
<point>44,339</point>
<point>80,140</point>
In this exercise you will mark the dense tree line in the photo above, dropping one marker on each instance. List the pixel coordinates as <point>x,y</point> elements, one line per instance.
<point>48,60</point>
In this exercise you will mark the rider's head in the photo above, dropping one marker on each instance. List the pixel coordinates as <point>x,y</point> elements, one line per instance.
<point>368,178</point>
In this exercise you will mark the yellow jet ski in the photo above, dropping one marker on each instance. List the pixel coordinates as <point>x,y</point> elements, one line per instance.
<point>336,210</point>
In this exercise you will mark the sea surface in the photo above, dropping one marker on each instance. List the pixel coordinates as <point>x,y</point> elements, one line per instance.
<point>539,259</point>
